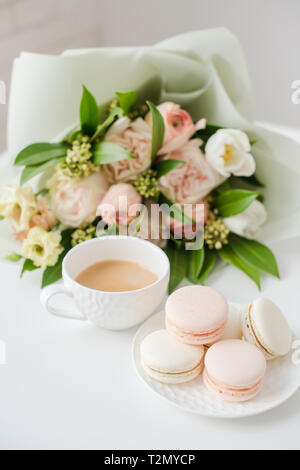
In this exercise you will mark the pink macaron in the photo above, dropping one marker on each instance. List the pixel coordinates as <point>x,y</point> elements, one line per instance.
<point>196,315</point>
<point>234,370</point>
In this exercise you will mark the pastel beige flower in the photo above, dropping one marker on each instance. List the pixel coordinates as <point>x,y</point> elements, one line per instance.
<point>75,202</point>
<point>135,137</point>
<point>120,205</point>
<point>41,247</point>
<point>25,210</point>
<point>19,206</point>
<point>190,182</point>
<point>198,212</point>
<point>150,225</point>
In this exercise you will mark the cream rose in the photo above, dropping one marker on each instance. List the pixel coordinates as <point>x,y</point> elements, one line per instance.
<point>179,126</point>
<point>24,210</point>
<point>190,182</point>
<point>120,205</point>
<point>135,137</point>
<point>151,225</point>
<point>228,152</point>
<point>75,203</point>
<point>41,247</point>
<point>248,223</point>
<point>197,212</point>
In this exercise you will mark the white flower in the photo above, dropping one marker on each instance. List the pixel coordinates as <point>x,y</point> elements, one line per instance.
<point>248,223</point>
<point>41,247</point>
<point>228,151</point>
<point>19,207</point>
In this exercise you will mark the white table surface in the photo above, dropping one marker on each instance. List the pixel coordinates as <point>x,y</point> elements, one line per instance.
<point>69,385</point>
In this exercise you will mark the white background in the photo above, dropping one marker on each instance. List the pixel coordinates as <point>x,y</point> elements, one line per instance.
<point>268,30</point>
<point>69,385</point>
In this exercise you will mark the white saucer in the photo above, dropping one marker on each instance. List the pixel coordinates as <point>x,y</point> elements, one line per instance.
<point>281,382</point>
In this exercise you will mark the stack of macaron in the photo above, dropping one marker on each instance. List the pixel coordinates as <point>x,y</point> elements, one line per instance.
<point>204,332</point>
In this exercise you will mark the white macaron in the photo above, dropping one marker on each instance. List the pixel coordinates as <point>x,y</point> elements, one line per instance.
<point>265,326</point>
<point>169,361</point>
<point>233,328</point>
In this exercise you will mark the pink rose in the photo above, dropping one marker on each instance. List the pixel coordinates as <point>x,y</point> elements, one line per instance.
<point>75,203</point>
<point>179,127</point>
<point>190,182</point>
<point>135,137</point>
<point>120,205</point>
<point>198,213</point>
<point>151,225</point>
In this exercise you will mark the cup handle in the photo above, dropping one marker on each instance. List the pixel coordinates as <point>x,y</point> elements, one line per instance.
<point>49,292</point>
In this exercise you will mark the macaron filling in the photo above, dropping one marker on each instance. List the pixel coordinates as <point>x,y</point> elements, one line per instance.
<point>199,337</point>
<point>176,377</point>
<point>175,373</point>
<point>229,392</point>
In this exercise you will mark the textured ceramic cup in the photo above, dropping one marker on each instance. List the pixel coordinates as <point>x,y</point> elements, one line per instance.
<point>110,310</point>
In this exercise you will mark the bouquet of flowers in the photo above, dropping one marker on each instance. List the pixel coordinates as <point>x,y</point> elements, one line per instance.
<point>143,170</point>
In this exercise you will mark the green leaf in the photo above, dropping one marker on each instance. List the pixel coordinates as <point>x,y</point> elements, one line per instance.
<point>2,217</point>
<point>127,101</point>
<point>139,220</point>
<point>73,136</point>
<point>210,259</point>
<point>14,257</point>
<point>230,256</point>
<point>158,130</point>
<point>252,181</point>
<point>31,171</point>
<point>223,187</point>
<point>89,113</point>
<point>108,152</point>
<point>195,263</point>
<point>174,210</point>
<point>255,253</point>
<point>43,192</point>
<point>165,166</point>
<point>108,122</point>
<point>54,273</point>
<point>208,131</point>
<point>178,265</point>
<point>234,201</point>
<point>28,266</point>
<point>36,154</point>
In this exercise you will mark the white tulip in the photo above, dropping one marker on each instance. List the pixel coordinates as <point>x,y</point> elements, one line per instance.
<point>228,152</point>
<point>248,223</point>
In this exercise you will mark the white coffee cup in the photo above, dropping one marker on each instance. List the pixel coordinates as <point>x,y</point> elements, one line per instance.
<point>110,310</point>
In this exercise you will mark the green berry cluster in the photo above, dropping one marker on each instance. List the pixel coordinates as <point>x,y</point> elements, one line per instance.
<point>139,110</point>
<point>83,234</point>
<point>78,161</point>
<point>111,106</point>
<point>146,184</point>
<point>215,231</point>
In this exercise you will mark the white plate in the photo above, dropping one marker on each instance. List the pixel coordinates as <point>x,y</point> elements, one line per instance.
<point>281,382</point>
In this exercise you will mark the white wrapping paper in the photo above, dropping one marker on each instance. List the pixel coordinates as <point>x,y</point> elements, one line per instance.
<point>205,71</point>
